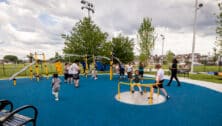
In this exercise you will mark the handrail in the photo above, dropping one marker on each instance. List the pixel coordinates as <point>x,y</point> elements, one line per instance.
<point>151,86</point>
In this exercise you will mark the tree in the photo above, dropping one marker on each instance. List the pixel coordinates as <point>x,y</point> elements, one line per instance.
<point>122,47</point>
<point>169,56</point>
<point>10,58</point>
<point>219,30</point>
<point>146,39</point>
<point>85,38</point>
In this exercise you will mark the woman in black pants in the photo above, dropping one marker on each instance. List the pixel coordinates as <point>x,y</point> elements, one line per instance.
<point>174,73</point>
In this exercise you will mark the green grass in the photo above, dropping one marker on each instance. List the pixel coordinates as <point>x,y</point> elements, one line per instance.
<point>9,69</point>
<point>201,77</point>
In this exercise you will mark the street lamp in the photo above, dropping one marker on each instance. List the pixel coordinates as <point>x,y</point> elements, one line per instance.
<point>163,37</point>
<point>197,6</point>
<point>87,5</point>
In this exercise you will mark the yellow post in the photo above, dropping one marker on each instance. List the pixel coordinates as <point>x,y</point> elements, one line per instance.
<point>131,85</point>
<point>87,68</point>
<point>45,66</point>
<point>151,95</point>
<point>30,68</point>
<point>14,81</point>
<point>36,66</point>
<point>31,72</point>
<point>119,90</point>
<point>111,67</point>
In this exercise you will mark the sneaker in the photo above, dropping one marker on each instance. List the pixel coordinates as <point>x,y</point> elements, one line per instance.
<point>141,92</point>
<point>150,97</point>
<point>56,99</point>
<point>167,97</point>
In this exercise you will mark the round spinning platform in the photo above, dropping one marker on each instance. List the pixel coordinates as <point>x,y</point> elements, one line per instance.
<point>137,99</point>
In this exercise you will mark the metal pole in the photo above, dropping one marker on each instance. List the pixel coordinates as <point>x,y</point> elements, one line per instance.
<point>163,37</point>
<point>162,49</point>
<point>194,36</point>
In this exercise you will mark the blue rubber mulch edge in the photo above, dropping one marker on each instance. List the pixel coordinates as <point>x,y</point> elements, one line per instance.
<point>93,104</point>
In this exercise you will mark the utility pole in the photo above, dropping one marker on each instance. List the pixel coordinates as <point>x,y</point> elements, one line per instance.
<point>194,32</point>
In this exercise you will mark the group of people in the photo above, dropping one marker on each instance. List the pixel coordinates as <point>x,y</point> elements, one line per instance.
<point>71,72</point>
<point>120,69</point>
<point>138,77</point>
<point>159,78</point>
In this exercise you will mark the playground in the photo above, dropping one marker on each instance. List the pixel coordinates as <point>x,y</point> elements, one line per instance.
<point>94,104</point>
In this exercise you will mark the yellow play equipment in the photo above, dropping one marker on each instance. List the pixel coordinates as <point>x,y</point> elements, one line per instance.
<point>150,86</point>
<point>86,63</point>
<point>58,66</point>
<point>29,66</point>
<point>111,66</point>
<point>37,74</point>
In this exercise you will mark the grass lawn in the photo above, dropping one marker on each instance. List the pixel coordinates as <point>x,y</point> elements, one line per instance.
<point>8,70</point>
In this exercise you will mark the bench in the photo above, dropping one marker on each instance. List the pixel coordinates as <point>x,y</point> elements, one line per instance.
<point>185,72</point>
<point>10,117</point>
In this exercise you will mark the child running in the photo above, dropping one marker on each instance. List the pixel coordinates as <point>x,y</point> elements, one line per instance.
<point>94,72</point>
<point>56,86</point>
<point>136,80</point>
<point>160,80</point>
<point>75,71</point>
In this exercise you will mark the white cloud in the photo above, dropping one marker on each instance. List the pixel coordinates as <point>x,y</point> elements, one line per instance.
<point>36,25</point>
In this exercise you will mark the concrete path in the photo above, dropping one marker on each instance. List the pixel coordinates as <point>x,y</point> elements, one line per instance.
<point>213,86</point>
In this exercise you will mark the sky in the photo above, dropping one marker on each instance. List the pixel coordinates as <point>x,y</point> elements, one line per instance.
<point>29,26</point>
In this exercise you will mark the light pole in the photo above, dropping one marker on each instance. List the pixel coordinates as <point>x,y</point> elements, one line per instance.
<point>197,6</point>
<point>163,37</point>
<point>89,6</point>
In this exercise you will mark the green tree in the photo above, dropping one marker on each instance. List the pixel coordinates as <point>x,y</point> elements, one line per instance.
<point>146,39</point>
<point>219,30</point>
<point>169,56</point>
<point>85,38</point>
<point>122,47</point>
<point>10,58</point>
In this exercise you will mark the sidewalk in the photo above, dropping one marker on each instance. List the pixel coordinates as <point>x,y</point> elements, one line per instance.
<point>213,86</point>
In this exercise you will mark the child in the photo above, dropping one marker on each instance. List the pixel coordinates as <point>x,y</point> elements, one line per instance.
<point>56,86</point>
<point>136,80</point>
<point>75,71</point>
<point>94,72</point>
<point>66,72</point>
<point>160,80</point>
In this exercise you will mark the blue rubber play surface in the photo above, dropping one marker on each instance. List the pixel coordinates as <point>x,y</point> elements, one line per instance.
<point>94,104</point>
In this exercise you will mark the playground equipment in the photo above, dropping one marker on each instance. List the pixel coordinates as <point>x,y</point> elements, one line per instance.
<point>150,86</point>
<point>58,66</point>
<point>87,57</point>
<point>37,66</point>
<point>36,62</point>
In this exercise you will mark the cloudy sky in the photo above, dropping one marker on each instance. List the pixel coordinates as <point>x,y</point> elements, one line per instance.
<point>28,26</point>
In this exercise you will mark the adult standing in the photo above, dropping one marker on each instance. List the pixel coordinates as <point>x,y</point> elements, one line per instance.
<point>75,71</point>
<point>174,72</point>
<point>66,72</point>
